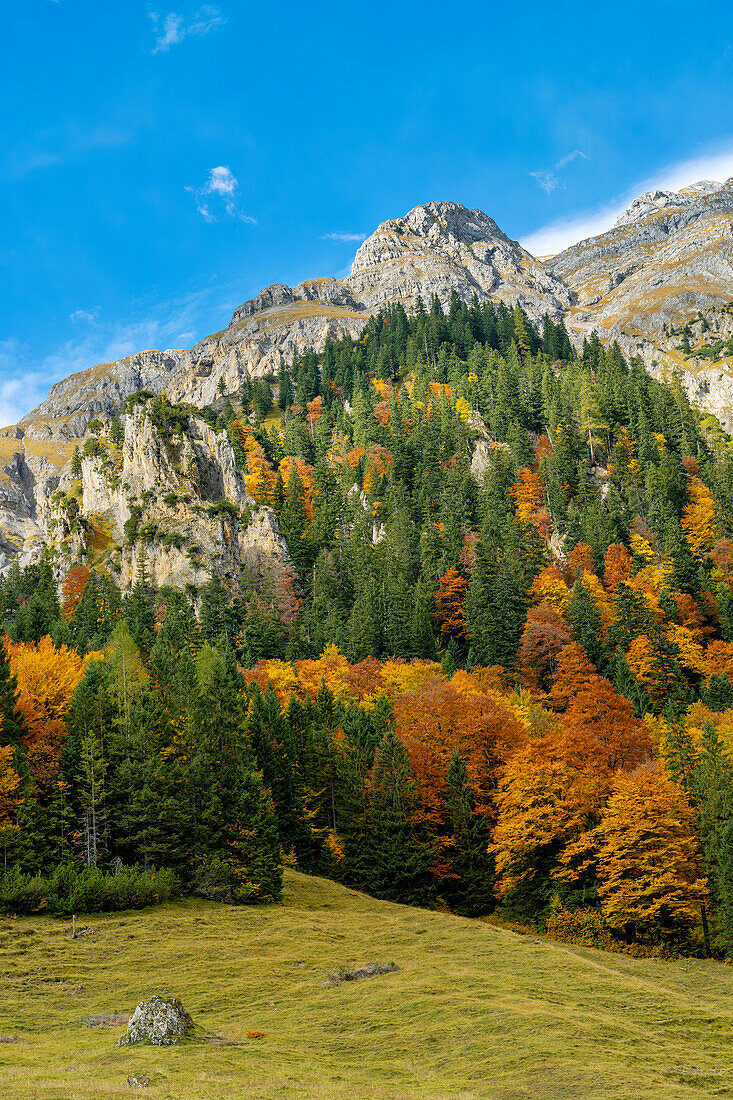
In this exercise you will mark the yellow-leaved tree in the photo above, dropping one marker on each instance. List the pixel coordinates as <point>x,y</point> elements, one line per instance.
<point>47,678</point>
<point>651,883</point>
<point>699,519</point>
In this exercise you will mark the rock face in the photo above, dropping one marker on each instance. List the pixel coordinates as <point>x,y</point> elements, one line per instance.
<point>443,247</point>
<point>173,502</point>
<point>161,1021</point>
<point>667,263</point>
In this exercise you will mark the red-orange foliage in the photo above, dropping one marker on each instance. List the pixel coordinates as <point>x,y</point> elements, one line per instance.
<point>543,448</point>
<point>314,411</point>
<point>691,466</point>
<point>601,732</point>
<point>544,636</point>
<point>72,588</point>
<point>691,617</point>
<point>450,596</point>
<point>617,565</point>
<point>443,719</point>
<point>581,560</point>
<point>529,500</point>
<point>378,463</point>
<point>722,556</point>
<point>573,673</point>
<point>286,596</point>
<point>468,551</point>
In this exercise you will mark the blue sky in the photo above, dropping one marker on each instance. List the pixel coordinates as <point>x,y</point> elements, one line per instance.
<point>160,164</point>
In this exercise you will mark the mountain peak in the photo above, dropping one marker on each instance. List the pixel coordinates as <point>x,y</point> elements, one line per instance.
<point>653,201</point>
<point>430,225</point>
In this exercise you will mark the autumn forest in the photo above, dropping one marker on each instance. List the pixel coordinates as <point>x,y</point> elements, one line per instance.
<point>495,676</point>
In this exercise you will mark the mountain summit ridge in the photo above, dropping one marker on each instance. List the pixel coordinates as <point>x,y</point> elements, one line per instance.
<point>660,282</point>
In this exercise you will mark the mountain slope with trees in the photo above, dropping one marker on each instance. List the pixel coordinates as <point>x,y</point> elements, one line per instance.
<point>496,669</point>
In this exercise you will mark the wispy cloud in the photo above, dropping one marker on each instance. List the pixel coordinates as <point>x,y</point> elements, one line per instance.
<point>69,143</point>
<point>560,234</point>
<point>83,315</point>
<point>549,178</point>
<point>172,28</point>
<point>343,237</point>
<point>218,196</point>
<point>157,323</point>
<point>25,386</point>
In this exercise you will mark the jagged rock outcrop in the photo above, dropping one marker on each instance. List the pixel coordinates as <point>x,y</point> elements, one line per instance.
<point>171,502</point>
<point>442,247</point>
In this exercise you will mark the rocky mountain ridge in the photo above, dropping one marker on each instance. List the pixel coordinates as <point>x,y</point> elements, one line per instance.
<point>660,281</point>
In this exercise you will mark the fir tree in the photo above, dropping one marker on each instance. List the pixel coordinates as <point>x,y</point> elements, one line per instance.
<point>470,893</point>
<point>395,861</point>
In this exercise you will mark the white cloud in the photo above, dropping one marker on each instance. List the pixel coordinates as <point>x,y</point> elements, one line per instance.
<point>343,237</point>
<point>24,389</point>
<point>221,181</point>
<point>172,28</point>
<point>549,178</point>
<point>560,234</point>
<point>83,315</point>
<point>222,186</point>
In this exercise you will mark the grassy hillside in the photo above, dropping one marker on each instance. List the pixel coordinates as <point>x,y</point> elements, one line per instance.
<point>474,1011</point>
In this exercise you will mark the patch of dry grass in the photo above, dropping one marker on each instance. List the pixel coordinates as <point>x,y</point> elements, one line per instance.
<point>474,1011</point>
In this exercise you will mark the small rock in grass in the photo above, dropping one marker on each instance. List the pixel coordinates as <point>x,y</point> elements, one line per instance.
<point>138,1080</point>
<point>160,1021</point>
<point>8,1039</point>
<point>370,970</point>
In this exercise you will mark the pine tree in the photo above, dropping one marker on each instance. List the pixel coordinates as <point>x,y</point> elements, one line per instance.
<point>585,618</point>
<point>395,861</point>
<point>92,796</point>
<point>294,521</point>
<point>275,756</point>
<point>233,824</point>
<point>12,724</point>
<point>468,847</point>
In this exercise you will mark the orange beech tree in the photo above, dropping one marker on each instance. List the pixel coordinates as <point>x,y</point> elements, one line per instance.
<point>450,597</point>
<point>72,588</point>
<point>617,565</point>
<point>544,636</point>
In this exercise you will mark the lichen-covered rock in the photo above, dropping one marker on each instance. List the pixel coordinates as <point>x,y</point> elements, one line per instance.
<point>173,504</point>
<point>161,1021</point>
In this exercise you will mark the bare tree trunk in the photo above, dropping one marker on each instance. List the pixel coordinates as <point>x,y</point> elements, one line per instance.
<point>705,930</point>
